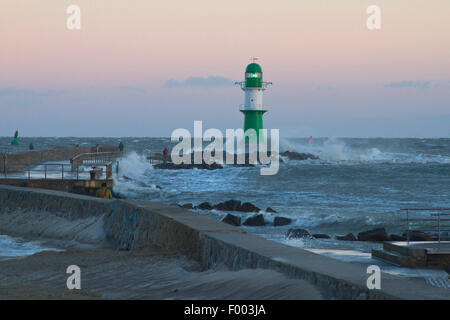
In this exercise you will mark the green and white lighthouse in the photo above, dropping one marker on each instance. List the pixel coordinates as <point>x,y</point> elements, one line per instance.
<point>253,86</point>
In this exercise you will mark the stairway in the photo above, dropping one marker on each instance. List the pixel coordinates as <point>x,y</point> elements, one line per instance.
<point>402,255</point>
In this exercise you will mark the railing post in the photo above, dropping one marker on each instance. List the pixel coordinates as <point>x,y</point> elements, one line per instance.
<point>439,230</point>
<point>5,161</point>
<point>407,226</point>
<point>45,172</point>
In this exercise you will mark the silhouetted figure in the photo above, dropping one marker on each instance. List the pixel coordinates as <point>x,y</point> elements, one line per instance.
<point>120,146</point>
<point>165,155</point>
<point>31,147</point>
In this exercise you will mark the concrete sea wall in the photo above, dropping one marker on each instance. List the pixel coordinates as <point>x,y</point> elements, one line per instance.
<point>131,225</point>
<point>66,185</point>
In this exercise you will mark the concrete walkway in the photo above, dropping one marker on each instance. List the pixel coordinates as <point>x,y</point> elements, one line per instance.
<point>152,273</point>
<point>134,225</point>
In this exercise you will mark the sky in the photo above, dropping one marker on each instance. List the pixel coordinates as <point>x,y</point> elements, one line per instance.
<point>148,67</point>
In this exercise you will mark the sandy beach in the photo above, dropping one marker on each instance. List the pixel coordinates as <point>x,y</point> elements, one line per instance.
<point>151,273</point>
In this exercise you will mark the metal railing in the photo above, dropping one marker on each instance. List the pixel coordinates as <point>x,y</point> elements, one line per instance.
<point>94,158</point>
<point>264,85</point>
<point>54,171</point>
<point>156,157</point>
<point>435,223</point>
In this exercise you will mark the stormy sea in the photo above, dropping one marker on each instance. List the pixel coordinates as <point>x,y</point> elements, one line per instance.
<point>357,184</point>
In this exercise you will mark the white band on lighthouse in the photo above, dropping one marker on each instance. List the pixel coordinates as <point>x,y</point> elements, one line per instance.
<point>253,98</point>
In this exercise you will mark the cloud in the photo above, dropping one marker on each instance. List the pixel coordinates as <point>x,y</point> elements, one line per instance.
<point>200,82</point>
<point>326,87</point>
<point>409,84</point>
<point>133,89</point>
<point>13,92</point>
<point>13,97</point>
<point>442,85</point>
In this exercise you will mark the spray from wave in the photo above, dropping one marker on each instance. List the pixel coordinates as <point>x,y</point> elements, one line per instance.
<point>336,150</point>
<point>135,174</point>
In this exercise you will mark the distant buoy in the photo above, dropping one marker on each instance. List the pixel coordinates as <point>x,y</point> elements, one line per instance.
<point>15,141</point>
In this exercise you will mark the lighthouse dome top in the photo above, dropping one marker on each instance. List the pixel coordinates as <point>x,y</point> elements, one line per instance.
<point>253,67</point>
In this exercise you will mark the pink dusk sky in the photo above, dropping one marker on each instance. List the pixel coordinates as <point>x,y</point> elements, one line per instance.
<point>147,67</point>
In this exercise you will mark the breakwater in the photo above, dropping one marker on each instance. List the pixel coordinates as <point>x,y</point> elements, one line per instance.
<point>11,162</point>
<point>133,224</point>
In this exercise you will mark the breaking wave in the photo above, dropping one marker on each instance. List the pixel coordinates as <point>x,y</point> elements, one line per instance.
<point>336,150</point>
<point>11,247</point>
<point>134,175</point>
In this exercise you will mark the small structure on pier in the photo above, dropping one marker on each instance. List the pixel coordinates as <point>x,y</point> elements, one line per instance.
<point>45,169</point>
<point>434,253</point>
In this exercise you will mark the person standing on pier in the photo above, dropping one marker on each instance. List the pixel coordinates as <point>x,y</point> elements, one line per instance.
<point>165,154</point>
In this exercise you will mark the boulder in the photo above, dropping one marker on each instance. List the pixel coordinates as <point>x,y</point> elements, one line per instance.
<point>187,206</point>
<point>376,235</point>
<point>298,233</point>
<point>204,206</point>
<point>395,237</point>
<point>232,219</point>
<point>269,209</point>
<point>292,155</point>
<point>172,166</point>
<point>321,236</point>
<point>220,206</point>
<point>347,237</point>
<point>416,235</point>
<point>254,221</point>
<point>232,205</point>
<point>281,221</point>
<point>248,207</point>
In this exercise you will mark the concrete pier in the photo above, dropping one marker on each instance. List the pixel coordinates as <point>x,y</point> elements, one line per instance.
<point>10,162</point>
<point>132,225</point>
<point>80,186</point>
<point>428,254</point>
<point>68,179</point>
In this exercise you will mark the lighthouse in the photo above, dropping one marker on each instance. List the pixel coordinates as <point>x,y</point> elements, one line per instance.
<point>253,86</point>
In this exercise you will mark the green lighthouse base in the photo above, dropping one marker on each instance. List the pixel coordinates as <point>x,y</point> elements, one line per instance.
<point>253,119</point>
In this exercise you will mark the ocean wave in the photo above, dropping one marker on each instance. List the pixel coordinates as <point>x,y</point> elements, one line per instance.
<point>13,247</point>
<point>337,151</point>
<point>134,175</point>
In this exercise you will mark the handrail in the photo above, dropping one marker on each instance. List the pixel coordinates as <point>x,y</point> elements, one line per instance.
<point>438,227</point>
<point>156,157</point>
<point>95,154</point>
<point>242,84</point>
<point>28,169</point>
<point>94,158</point>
